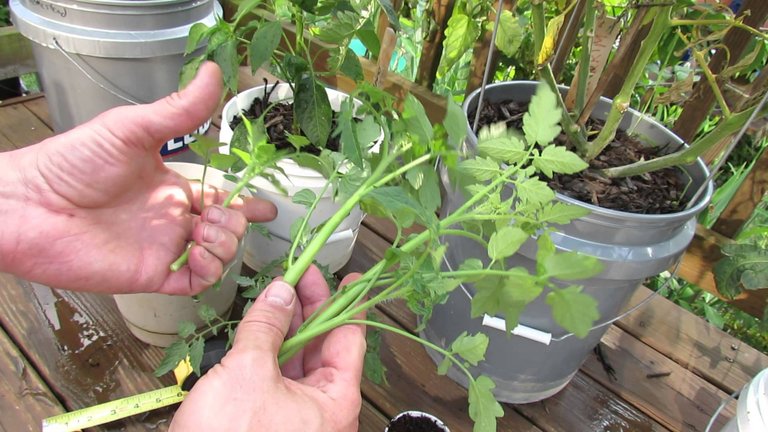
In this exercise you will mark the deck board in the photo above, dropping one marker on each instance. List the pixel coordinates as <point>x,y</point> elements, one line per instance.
<point>19,126</point>
<point>24,397</point>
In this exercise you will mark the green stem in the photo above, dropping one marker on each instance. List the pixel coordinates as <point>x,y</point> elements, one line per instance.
<point>732,23</point>
<point>572,130</point>
<point>305,221</point>
<point>712,81</point>
<point>687,155</point>
<point>621,101</point>
<point>588,32</point>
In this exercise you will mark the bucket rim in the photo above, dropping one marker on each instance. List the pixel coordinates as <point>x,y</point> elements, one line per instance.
<point>692,211</point>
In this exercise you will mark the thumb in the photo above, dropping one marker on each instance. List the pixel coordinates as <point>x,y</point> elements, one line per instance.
<point>175,115</point>
<point>264,327</point>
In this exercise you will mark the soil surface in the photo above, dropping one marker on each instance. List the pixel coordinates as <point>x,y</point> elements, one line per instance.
<point>278,121</point>
<point>657,192</point>
<point>407,423</point>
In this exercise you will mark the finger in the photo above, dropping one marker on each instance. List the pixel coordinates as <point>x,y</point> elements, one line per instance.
<point>202,271</point>
<point>263,329</point>
<point>254,209</point>
<point>314,353</point>
<point>180,112</point>
<point>221,243</point>
<point>313,292</point>
<point>226,219</point>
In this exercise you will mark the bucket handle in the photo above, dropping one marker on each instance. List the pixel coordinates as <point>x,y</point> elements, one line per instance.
<point>546,337</point>
<point>113,92</point>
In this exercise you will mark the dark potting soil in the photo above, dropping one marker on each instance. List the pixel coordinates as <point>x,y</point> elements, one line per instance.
<point>408,423</point>
<point>279,120</point>
<point>657,192</point>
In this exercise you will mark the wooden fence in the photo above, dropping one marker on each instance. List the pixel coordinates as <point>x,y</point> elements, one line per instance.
<point>701,256</point>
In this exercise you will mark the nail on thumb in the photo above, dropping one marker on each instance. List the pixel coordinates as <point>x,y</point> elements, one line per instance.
<point>280,293</point>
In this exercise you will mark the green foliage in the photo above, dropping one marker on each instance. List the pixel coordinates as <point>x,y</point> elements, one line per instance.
<point>483,407</point>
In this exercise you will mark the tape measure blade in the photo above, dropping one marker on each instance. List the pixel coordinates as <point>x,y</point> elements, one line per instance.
<point>115,410</point>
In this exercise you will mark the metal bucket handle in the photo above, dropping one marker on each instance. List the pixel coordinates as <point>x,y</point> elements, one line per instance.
<point>104,86</point>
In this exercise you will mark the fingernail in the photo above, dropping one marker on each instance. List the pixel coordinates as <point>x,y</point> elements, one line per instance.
<point>215,215</point>
<point>280,293</point>
<point>211,234</point>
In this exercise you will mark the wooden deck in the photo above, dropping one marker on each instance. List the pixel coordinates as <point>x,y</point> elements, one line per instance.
<point>63,351</point>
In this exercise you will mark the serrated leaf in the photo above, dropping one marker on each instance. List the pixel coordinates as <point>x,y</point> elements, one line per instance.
<point>196,354</point>
<point>541,124</point>
<point>297,141</point>
<point>394,202</point>
<point>373,367</point>
<point>561,213</point>
<point>481,169</point>
<point>506,295</point>
<point>313,111</point>
<point>455,124</point>
<point>498,143</point>
<point>572,266</point>
<point>510,34</point>
<point>223,162</point>
<point>351,147</point>
<point>545,248</point>
<point>264,43</point>
<point>558,159</point>
<point>174,354</point>
<point>444,366</point>
<point>306,5</point>
<point>416,120</point>
<point>534,192</point>
<point>505,242</point>
<point>483,407</point>
<point>460,36</point>
<point>206,313</point>
<point>573,310</point>
<point>471,347</point>
<point>713,316</point>
<point>304,197</point>
<point>186,329</point>
<point>745,266</point>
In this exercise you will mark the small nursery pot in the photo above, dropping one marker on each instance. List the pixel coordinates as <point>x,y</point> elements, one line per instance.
<point>155,318</point>
<point>416,421</point>
<point>261,250</point>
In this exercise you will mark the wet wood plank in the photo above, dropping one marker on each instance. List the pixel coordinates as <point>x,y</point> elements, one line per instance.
<point>675,397</point>
<point>25,400</point>
<point>39,107</point>
<point>80,345</point>
<point>371,419</point>
<point>720,358</point>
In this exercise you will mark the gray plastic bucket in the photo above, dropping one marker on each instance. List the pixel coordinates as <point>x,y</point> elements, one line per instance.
<point>630,246</point>
<point>94,55</point>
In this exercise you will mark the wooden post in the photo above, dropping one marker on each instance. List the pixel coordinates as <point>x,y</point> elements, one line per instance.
<point>482,48</point>
<point>698,106</point>
<point>432,50</point>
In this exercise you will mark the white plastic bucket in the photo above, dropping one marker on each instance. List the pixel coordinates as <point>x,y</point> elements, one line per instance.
<point>260,250</point>
<point>93,55</point>
<point>752,408</point>
<point>155,318</point>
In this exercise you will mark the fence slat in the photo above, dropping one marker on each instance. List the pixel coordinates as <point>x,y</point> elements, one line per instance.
<point>432,50</point>
<point>15,53</point>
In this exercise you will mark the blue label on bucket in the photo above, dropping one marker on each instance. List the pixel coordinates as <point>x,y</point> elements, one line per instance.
<point>182,143</point>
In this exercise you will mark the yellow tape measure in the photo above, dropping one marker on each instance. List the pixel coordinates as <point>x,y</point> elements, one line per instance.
<point>121,408</point>
<point>114,410</point>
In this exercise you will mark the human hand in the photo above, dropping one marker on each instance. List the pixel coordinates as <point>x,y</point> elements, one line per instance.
<point>95,209</point>
<point>317,391</point>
